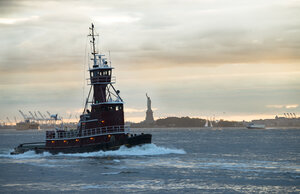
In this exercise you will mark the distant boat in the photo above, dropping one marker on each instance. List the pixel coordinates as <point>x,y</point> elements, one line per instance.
<point>27,124</point>
<point>256,126</point>
<point>208,123</point>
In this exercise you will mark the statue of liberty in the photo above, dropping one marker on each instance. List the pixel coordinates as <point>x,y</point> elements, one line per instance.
<point>149,113</point>
<point>148,102</point>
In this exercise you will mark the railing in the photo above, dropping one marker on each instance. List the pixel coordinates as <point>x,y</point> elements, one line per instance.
<point>61,134</point>
<point>101,80</point>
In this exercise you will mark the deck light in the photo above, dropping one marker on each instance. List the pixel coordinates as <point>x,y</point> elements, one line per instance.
<point>102,121</point>
<point>77,140</point>
<point>65,141</point>
<point>52,141</point>
<point>91,138</point>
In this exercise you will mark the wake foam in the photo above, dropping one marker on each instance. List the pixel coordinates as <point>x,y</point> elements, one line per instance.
<point>26,155</point>
<point>144,150</point>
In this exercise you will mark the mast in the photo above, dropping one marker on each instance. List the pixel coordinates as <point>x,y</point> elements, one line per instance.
<point>92,34</point>
<point>106,103</point>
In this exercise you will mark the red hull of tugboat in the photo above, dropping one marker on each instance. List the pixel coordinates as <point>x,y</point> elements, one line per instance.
<point>112,143</point>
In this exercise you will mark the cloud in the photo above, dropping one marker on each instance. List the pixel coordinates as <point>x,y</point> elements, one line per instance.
<point>191,56</point>
<point>280,106</point>
<point>16,20</point>
<point>275,106</point>
<point>108,20</point>
<point>292,106</point>
<point>134,110</point>
<point>74,111</point>
<point>148,35</point>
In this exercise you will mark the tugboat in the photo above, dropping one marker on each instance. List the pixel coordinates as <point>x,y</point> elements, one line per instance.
<point>102,127</point>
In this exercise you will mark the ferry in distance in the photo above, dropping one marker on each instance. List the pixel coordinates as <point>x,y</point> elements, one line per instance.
<point>255,126</point>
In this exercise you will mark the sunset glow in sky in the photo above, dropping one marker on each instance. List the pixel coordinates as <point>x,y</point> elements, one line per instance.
<point>223,58</point>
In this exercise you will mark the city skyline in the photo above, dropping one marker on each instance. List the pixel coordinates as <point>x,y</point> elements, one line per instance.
<point>236,61</point>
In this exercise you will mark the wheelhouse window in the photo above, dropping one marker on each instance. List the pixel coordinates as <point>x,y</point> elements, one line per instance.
<point>95,73</point>
<point>112,108</point>
<point>119,108</point>
<point>104,108</point>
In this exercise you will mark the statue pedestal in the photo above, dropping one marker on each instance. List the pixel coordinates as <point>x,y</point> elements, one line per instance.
<point>149,116</point>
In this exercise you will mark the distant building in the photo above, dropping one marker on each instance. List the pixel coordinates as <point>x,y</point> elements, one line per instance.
<point>149,113</point>
<point>279,122</point>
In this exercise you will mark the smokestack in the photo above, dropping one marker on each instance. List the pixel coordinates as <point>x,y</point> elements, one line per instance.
<point>284,114</point>
<point>295,115</point>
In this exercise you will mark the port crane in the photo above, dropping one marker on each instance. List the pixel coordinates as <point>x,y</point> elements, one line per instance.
<point>53,116</point>
<point>41,114</point>
<point>70,116</point>
<point>23,115</point>
<point>36,115</point>
<point>31,115</point>
<point>8,120</point>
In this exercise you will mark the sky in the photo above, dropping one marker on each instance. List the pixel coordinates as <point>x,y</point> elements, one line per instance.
<point>228,59</point>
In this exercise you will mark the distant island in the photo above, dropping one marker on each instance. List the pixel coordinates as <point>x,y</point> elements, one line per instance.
<point>186,122</point>
<point>288,120</point>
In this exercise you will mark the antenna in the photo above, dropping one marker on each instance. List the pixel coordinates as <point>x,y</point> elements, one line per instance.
<point>109,58</point>
<point>93,44</point>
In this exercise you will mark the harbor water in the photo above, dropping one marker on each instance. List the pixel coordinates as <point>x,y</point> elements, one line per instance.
<point>185,160</point>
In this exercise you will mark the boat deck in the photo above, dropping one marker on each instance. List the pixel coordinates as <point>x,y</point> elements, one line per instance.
<point>61,134</point>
